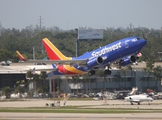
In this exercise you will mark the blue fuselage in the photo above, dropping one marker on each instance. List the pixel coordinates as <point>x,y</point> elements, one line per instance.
<point>116,50</point>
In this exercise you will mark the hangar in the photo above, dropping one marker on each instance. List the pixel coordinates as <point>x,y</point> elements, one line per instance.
<point>8,77</point>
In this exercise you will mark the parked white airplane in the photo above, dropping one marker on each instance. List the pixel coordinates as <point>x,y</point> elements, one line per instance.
<point>138,99</point>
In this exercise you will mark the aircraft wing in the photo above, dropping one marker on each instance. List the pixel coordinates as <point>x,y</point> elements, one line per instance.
<point>42,69</point>
<point>60,62</point>
<point>30,68</point>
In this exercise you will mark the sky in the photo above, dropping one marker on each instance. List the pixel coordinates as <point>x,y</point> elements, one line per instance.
<point>72,14</point>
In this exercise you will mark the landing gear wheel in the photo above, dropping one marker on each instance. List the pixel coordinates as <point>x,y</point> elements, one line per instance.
<point>107,72</point>
<point>92,72</point>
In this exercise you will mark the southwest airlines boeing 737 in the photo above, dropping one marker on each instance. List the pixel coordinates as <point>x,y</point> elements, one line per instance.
<point>124,51</point>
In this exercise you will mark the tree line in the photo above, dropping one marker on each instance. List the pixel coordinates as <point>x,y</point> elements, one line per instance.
<point>26,39</point>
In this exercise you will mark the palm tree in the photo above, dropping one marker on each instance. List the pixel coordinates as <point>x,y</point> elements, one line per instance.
<point>6,91</point>
<point>20,82</point>
<point>36,78</point>
<point>19,89</point>
<point>142,79</point>
<point>43,76</point>
<point>158,74</point>
<point>149,69</point>
<point>129,67</point>
<point>29,74</point>
<point>118,78</point>
<point>124,72</point>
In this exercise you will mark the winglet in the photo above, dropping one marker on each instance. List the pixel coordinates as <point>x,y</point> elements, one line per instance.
<point>20,56</point>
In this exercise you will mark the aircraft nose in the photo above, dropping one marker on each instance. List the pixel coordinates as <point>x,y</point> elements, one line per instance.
<point>143,42</point>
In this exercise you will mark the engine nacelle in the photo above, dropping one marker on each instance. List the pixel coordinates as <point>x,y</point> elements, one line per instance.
<point>128,60</point>
<point>93,62</point>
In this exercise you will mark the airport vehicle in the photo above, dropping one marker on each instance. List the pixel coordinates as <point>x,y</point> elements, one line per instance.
<point>5,63</point>
<point>138,99</point>
<point>124,51</point>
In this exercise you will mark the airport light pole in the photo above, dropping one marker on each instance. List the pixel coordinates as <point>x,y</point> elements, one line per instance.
<point>0,28</point>
<point>77,43</point>
<point>33,53</point>
<point>54,89</point>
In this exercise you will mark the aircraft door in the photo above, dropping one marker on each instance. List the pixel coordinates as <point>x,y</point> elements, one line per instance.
<point>127,44</point>
<point>64,69</point>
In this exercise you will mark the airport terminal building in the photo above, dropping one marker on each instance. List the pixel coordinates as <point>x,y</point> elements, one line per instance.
<point>115,81</point>
<point>118,80</point>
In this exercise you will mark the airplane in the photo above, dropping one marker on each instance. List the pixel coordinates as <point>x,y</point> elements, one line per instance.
<point>138,99</point>
<point>124,51</point>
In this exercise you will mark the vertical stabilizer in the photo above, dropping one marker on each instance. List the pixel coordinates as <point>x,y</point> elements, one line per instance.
<point>52,52</point>
<point>20,56</point>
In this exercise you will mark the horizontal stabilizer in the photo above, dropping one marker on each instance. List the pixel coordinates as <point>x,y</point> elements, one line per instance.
<point>59,62</point>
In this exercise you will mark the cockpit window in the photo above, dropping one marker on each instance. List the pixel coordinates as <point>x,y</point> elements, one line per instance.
<point>138,38</point>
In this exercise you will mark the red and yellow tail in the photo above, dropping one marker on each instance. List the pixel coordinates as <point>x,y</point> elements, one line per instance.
<point>52,52</point>
<point>20,56</point>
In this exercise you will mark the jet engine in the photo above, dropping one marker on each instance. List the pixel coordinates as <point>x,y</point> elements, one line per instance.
<point>94,62</point>
<point>128,60</point>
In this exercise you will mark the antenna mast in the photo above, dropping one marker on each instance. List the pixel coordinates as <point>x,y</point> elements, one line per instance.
<point>40,23</point>
<point>0,28</point>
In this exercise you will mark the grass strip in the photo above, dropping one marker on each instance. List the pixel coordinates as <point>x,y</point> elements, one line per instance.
<point>77,110</point>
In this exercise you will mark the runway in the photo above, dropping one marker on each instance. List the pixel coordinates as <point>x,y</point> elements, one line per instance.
<point>79,116</point>
<point>156,104</point>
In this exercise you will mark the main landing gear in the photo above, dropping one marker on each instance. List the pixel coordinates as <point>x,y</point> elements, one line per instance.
<point>106,72</point>
<point>92,72</point>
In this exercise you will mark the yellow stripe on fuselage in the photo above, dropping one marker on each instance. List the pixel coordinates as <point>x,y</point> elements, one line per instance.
<point>73,69</point>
